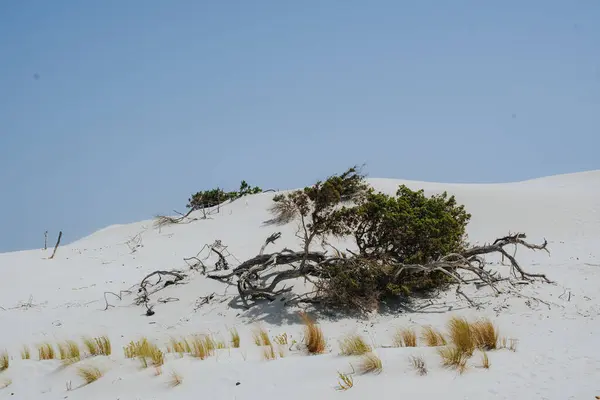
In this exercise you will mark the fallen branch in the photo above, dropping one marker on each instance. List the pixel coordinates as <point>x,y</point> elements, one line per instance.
<point>56,246</point>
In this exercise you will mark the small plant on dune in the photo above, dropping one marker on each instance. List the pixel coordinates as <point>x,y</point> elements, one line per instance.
<point>221,345</point>
<point>345,381</point>
<point>5,383</point>
<point>176,379</point>
<point>25,353</point>
<point>370,363</point>
<point>313,336</point>
<point>454,357</point>
<point>269,353</point>
<point>354,345</point>
<point>69,352</point>
<point>261,337</point>
<point>180,346</point>
<point>513,344</point>
<point>89,373</point>
<point>98,346</point>
<point>4,361</point>
<point>510,344</point>
<point>433,338</point>
<point>202,346</point>
<point>418,363</point>
<point>485,335</point>
<point>144,350</point>
<point>282,339</point>
<point>235,338</point>
<point>485,361</point>
<point>461,335</point>
<point>405,338</point>
<point>46,352</point>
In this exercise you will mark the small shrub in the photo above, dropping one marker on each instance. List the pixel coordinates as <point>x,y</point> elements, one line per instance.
<point>370,363</point>
<point>405,338</point>
<point>176,379</point>
<point>25,353</point>
<point>433,338</point>
<point>354,345</point>
<point>313,336</point>
<point>4,361</point>
<point>485,361</point>
<point>235,338</point>
<point>485,335</point>
<point>89,374</point>
<point>46,352</point>
<point>418,364</point>
<point>453,357</point>
<point>461,335</point>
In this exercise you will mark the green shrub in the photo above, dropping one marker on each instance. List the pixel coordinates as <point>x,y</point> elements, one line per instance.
<point>213,197</point>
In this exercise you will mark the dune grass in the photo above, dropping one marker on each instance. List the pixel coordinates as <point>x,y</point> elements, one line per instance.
<point>98,346</point>
<point>269,353</point>
<point>405,338</point>
<point>261,337</point>
<point>485,361</point>
<point>180,346</point>
<point>461,335</point>
<point>282,339</point>
<point>25,353</point>
<point>454,358</point>
<point>235,338</point>
<point>485,335</point>
<point>345,381</point>
<point>4,360</point>
<point>313,336</point>
<point>144,351</point>
<point>432,337</point>
<point>202,346</point>
<point>176,379</point>
<point>46,351</point>
<point>89,373</point>
<point>370,363</point>
<point>354,345</point>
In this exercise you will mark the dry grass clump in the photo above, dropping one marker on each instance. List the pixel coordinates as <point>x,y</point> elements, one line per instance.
<point>176,379</point>
<point>282,339</point>
<point>144,350</point>
<point>25,353</point>
<point>235,338</point>
<point>98,346</point>
<point>418,364</point>
<point>461,335</point>
<point>202,346</point>
<point>261,337</point>
<point>433,338</point>
<point>370,363</point>
<point>4,360</point>
<point>46,352</point>
<point>405,338</point>
<point>354,345</point>
<point>69,351</point>
<point>485,335</point>
<point>89,373</point>
<point>313,336</point>
<point>454,357</point>
<point>180,346</point>
<point>269,353</point>
<point>485,361</point>
<point>504,344</point>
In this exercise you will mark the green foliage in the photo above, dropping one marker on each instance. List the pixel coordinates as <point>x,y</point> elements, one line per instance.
<point>213,197</point>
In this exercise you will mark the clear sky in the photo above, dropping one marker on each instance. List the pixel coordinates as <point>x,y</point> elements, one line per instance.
<point>113,111</point>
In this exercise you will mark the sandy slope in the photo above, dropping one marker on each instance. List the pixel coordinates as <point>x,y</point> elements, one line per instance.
<point>555,358</point>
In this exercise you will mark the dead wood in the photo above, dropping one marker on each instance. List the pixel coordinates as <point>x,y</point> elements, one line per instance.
<point>143,292</point>
<point>56,246</point>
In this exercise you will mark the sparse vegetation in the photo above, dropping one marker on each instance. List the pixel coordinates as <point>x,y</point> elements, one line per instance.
<point>282,339</point>
<point>433,338</point>
<point>235,338</point>
<point>313,336</point>
<point>25,353</point>
<point>261,337</point>
<point>461,335</point>
<point>418,364</point>
<point>89,373</point>
<point>98,346</point>
<point>144,351</point>
<point>485,360</point>
<point>354,345</point>
<point>213,197</point>
<point>202,346</point>
<point>485,334</point>
<point>269,353</point>
<point>345,381</point>
<point>453,357</point>
<point>179,346</point>
<point>405,338</point>
<point>46,352</point>
<point>370,363</point>
<point>4,360</point>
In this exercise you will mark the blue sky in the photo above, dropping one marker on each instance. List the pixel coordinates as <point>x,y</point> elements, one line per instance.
<point>115,110</point>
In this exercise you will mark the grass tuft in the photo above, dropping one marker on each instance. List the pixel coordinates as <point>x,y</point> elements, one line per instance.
<point>235,338</point>
<point>89,373</point>
<point>282,339</point>
<point>202,346</point>
<point>98,346</point>
<point>485,361</point>
<point>433,338</point>
<point>4,361</point>
<point>144,350</point>
<point>405,338</point>
<point>485,335</point>
<point>269,353</point>
<point>46,352</point>
<point>453,357</point>
<point>370,363</point>
<point>313,336</point>
<point>180,346</point>
<point>176,379</point>
<point>418,364</point>
<point>354,345</point>
<point>261,337</point>
<point>25,353</point>
<point>461,335</point>
<point>345,381</point>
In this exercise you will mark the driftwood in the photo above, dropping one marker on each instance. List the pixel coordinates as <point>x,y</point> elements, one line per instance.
<point>143,292</point>
<point>253,281</point>
<point>56,246</point>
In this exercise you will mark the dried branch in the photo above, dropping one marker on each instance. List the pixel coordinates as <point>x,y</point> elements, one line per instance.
<point>56,246</point>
